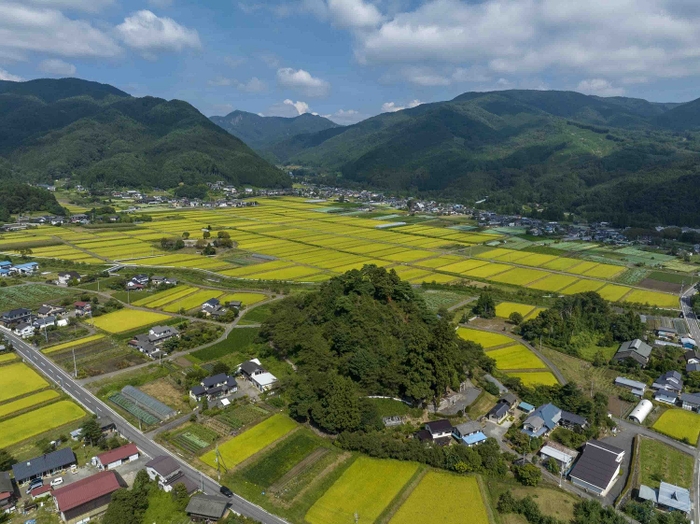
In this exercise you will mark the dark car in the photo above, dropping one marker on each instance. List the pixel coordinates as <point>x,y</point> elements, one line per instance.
<point>226,491</point>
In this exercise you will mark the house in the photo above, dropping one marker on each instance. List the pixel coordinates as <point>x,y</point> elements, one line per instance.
<point>158,280</point>
<point>542,421</point>
<point>24,330</point>
<point>691,368</point>
<point>214,387</point>
<point>144,345</point>
<point>667,497</point>
<point>206,508</point>
<point>670,381</point>
<point>16,315</point>
<point>162,333</point>
<point>235,304</point>
<point>688,343</point>
<point>64,278</point>
<point>469,433</point>
<point>5,264</point>
<point>667,397</point>
<point>7,491</point>
<point>43,323</point>
<point>526,408</point>
<point>690,401</point>
<point>563,456</point>
<point>84,499</point>
<point>498,413</point>
<point>48,310</point>
<point>439,428</point>
<point>25,269</point>
<point>134,286</point>
<point>212,307</point>
<point>692,356</point>
<point>598,467</point>
<point>570,420</point>
<point>116,457</point>
<point>107,426</point>
<point>140,279</point>
<point>510,399</point>
<point>666,332</point>
<point>82,308</point>
<point>634,350</point>
<point>42,492</point>
<point>257,375</point>
<point>167,472</point>
<point>637,388</point>
<point>43,465</point>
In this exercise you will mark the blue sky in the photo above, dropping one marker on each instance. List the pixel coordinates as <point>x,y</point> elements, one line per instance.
<point>351,59</point>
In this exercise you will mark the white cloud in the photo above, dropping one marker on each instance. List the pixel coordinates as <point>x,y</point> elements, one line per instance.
<point>4,75</point>
<point>302,81</point>
<point>600,87</point>
<point>25,29</point>
<point>254,85</point>
<point>270,59</point>
<point>55,66</point>
<point>301,107</point>
<point>288,109</point>
<point>91,6</point>
<point>150,34</point>
<point>353,13</point>
<point>345,117</point>
<point>391,107</point>
<point>623,40</point>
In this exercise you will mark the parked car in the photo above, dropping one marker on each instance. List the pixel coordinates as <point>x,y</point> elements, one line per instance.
<point>226,491</point>
<point>36,483</point>
<point>57,481</point>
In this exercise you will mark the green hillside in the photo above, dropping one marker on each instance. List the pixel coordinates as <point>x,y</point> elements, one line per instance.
<point>260,132</point>
<point>102,136</point>
<point>620,159</point>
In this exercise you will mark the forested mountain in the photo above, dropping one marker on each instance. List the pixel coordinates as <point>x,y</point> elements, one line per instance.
<point>100,135</point>
<point>620,159</point>
<point>260,132</point>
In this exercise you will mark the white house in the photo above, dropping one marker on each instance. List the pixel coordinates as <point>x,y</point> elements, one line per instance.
<point>24,330</point>
<point>65,277</point>
<point>167,472</point>
<point>116,457</point>
<point>257,375</point>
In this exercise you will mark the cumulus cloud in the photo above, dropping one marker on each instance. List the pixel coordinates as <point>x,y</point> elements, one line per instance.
<point>302,81</point>
<point>4,75</point>
<point>57,67</point>
<point>345,117</point>
<point>91,6</point>
<point>150,34</point>
<point>288,109</point>
<point>600,87</point>
<point>626,40</point>
<point>25,28</point>
<point>353,13</point>
<point>391,107</point>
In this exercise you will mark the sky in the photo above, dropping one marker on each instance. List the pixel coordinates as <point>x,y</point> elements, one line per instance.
<point>352,59</point>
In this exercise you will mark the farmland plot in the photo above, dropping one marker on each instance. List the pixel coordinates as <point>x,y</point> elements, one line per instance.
<point>38,421</point>
<point>516,357</point>
<point>126,320</point>
<point>19,379</point>
<point>679,424</point>
<point>486,339</point>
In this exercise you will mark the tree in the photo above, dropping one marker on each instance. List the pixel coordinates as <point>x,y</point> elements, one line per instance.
<point>223,234</point>
<point>516,318</point>
<point>206,234</point>
<point>485,307</point>
<point>180,496</point>
<point>91,431</point>
<point>6,460</point>
<point>528,474</point>
<point>186,235</point>
<point>552,466</point>
<point>220,367</point>
<point>209,250</point>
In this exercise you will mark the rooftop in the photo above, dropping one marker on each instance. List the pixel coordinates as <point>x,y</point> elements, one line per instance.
<point>207,506</point>
<point>596,466</point>
<point>86,490</point>
<point>38,465</point>
<point>119,453</point>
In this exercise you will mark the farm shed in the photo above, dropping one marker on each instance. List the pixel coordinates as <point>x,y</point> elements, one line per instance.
<point>86,498</point>
<point>637,388</point>
<point>116,457</point>
<point>44,465</point>
<point>563,455</point>
<point>641,411</point>
<point>598,467</point>
<point>635,350</point>
<point>206,508</point>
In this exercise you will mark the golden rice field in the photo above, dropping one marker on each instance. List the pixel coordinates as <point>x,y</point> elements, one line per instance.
<point>515,357</point>
<point>553,283</point>
<point>679,424</point>
<point>505,309</point>
<point>19,379</point>
<point>366,488</point>
<point>535,378</point>
<point>72,343</point>
<point>193,300</point>
<point>247,299</point>
<point>443,498</point>
<point>653,298</point>
<point>126,320</point>
<point>485,338</point>
<point>7,357</point>
<point>35,422</point>
<point>165,296</point>
<point>26,402</point>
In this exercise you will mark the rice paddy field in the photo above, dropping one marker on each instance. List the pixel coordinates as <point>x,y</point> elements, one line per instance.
<point>365,489</point>
<point>248,443</point>
<point>27,402</point>
<point>38,421</point>
<point>505,309</point>
<point>299,241</point>
<point>486,339</point>
<point>535,378</point>
<point>19,379</point>
<point>443,498</point>
<point>679,424</point>
<point>72,344</point>
<point>516,357</point>
<point>126,320</point>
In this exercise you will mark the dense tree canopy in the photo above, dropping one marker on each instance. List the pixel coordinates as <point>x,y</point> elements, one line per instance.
<point>16,197</point>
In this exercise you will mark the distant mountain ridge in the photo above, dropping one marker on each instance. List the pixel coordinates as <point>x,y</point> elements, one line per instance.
<point>103,136</point>
<point>613,158</point>
<point>259,132</point>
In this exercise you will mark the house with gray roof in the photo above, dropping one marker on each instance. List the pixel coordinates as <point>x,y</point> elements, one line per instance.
<point>670,381</point>
<point>598,467</point>
<point>667,496</point>
<point>690,401</point>
<point>542,421</point>
<point>208,508</point>
<point>635,350</point>
<point>44,465</point>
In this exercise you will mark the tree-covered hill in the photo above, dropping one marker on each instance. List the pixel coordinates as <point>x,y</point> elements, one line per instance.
<point>365,333</point>
<point>102,136</point>
<point>260,132</point>
<point>605,158</point>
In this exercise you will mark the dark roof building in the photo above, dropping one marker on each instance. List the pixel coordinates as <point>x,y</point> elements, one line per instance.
<point>206,507</point>
<point>598,467</point>
<point>7,490</point>
<point>670,381</point>
<point>168,473</point>
<point>498,412</point>
<point>635,350</point>
<point>43,465</point>
<point>87,497</point>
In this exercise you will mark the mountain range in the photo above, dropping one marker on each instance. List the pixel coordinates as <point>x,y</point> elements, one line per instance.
<point>102,136</point>
<point>618,159</point>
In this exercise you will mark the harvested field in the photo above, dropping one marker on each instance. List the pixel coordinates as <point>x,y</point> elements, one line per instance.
<point>666,287</point>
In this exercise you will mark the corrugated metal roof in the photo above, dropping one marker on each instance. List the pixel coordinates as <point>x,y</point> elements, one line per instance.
<point>86,490</point>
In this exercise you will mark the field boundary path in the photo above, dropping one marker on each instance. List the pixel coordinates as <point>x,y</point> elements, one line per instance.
<point>81,395</point>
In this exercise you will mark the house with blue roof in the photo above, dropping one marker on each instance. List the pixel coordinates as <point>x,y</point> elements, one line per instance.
<point>469,433</point>
<point>542,421</point>
<point>25,269</point>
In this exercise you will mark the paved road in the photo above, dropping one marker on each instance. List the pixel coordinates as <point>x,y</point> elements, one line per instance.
<point>150,448</point>
<point>689,315</point>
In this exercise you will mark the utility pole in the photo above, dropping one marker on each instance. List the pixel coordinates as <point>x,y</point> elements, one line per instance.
<point>75,365</point>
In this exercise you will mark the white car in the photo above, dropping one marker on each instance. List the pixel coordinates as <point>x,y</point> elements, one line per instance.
<point>57,482</point>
